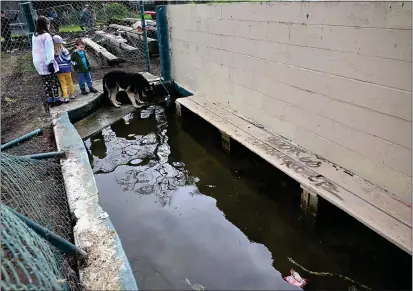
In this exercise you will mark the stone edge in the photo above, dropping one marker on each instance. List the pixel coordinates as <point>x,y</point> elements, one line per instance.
<point>107,267</point>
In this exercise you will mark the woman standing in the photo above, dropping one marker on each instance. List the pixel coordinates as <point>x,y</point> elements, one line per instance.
<point>43,59</point>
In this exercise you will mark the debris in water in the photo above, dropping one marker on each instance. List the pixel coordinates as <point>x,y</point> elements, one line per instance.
<point>211,186</point>
<point>295,279</point>
<point>330,274</point>
<point>195,286</point>
<point>178,164</point>
<point>127,118</point>
<point>135,162</point>
<point>104,215</point>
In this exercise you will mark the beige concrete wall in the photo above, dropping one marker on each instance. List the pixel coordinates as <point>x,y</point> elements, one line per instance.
<point>334,77</point>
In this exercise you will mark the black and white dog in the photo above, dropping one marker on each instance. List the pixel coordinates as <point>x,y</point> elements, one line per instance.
<point>134,84</point>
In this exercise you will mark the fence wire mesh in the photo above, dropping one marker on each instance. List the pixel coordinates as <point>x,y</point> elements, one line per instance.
<point>73,19</point>
<point>35,189</point>
<point>112,31</point>
<point>28,262</point>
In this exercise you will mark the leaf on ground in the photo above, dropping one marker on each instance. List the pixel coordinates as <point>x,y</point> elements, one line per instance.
<point>11,100</point>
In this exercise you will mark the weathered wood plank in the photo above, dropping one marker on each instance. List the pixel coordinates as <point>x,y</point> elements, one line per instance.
<point>121,27</point>
<point>384,224</point>
<point>99,49</point>
<point>352,183</point>
<point>121,42</point>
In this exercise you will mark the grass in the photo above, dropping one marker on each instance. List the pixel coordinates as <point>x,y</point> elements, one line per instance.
<point>13,35</point>
<point>235,1</point>
<point>70,28</point>
<point>137,17</point>
<point>27,64</point>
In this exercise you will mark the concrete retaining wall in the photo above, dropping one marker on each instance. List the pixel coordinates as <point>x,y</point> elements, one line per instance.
<point>107,267</point>
<point>334,77</point>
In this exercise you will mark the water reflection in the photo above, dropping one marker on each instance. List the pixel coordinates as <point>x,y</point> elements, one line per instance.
<point>141,141</point>
<point>172,234</point>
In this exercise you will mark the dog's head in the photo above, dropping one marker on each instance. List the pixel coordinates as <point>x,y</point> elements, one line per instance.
<point>148,89</point>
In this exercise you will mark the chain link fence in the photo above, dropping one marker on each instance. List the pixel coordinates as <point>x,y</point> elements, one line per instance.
<point>114,39</point>
<point>35,189</point>
<point>114,25</point>
<point>112,30</point>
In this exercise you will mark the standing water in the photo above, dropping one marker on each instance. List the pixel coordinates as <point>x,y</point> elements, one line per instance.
<point>191,216</point>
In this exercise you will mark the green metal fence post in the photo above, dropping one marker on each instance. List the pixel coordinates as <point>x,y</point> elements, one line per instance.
<point>20,139</point>
<point>163,42</point>
<point>55,240</point>
<point>26,7</point>
<point>145,37</point>
<point>43,156</point>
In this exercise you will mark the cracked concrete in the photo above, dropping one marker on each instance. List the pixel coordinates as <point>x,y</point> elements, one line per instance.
<point>107,267</point>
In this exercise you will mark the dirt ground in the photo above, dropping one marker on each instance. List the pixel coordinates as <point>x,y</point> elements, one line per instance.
<point>22,101</point>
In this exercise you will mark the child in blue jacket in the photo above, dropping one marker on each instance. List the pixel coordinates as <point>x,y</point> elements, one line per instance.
<point>62,57</point>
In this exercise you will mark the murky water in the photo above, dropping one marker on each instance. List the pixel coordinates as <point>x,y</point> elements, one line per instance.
<point>191,216</point>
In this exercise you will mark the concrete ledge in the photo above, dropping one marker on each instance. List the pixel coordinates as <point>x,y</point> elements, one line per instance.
<point>360,199</point>
<point>101,118</point>
<point>85,105</point>
<point>82,106</point>
<point>107,267</point>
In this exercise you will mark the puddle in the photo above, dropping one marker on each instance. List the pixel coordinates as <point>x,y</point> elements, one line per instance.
<point>191,217</point>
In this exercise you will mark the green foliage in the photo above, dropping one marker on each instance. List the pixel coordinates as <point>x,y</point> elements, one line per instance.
<point>118,11</point>
<point>27,64</point>
<point>70,28</point>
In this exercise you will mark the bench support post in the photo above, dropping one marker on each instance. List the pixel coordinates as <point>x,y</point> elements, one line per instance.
<point>178,109</point>
<point>309,201</point>
<point>225,142</point>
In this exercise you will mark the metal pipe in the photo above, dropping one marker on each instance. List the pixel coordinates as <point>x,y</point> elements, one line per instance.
<point>145,37</point>
<point>21,139</point>
<point>42,156</point>
<point>163,42</point>
<point>55,240</point>
<point>27,10</point>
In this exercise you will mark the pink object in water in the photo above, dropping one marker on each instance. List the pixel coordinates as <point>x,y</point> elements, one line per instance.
<point>295,279</point>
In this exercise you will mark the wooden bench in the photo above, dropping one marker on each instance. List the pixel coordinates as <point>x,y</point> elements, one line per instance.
<point>100,50</point>
<point>130,31</point>
<point>118,41</point>
<point>122,27</point>
<point>135,35</point>
<point>365,202</point>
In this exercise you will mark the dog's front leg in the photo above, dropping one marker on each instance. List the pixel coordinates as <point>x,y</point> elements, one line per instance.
<point>139,96</point>
<point>131,96</point>
<point>113,100</point>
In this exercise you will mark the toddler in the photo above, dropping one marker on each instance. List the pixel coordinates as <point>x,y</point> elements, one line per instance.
<point>82,67</point>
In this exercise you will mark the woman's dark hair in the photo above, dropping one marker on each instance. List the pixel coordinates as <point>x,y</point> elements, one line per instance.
<point>41,25</point>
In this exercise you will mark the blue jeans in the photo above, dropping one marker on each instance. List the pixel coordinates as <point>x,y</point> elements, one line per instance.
<point>84,77</point>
